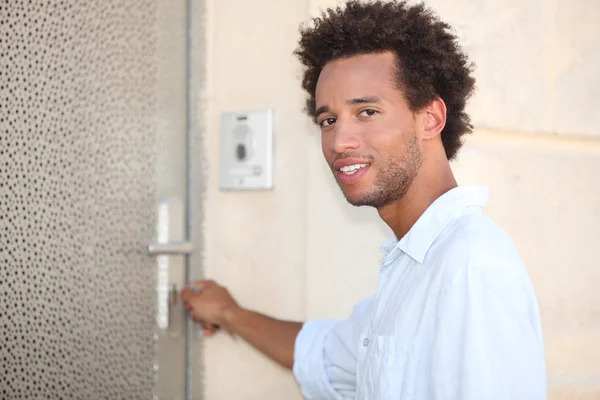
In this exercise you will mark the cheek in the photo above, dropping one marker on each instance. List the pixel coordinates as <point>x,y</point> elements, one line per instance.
<point>391,142</point>
<point>326,149</point>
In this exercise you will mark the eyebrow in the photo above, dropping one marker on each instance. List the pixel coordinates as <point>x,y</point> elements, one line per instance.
<point>358,100</point>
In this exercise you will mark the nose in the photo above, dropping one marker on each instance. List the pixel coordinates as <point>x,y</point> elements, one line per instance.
<point>345,137</point>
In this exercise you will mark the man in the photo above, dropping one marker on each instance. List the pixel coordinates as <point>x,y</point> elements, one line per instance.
<point>455,315</point>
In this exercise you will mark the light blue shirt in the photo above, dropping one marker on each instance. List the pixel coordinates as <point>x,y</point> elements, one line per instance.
<point>455,317</point>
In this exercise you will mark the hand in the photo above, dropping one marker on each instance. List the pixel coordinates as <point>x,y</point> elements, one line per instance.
<point>209,304</point>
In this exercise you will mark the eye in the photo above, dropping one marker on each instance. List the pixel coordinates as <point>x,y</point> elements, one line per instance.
<point>327,122</point>
<point>368,112</point>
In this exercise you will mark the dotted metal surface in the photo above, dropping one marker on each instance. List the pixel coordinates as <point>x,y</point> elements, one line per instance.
<point>77,205</point>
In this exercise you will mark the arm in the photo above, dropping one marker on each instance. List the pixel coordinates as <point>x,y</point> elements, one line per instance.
<point>322,353</point>
<point>275,338</point>
<point>212,305</point>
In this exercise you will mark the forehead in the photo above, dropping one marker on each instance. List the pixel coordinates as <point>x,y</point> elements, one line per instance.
<point>357,76</point>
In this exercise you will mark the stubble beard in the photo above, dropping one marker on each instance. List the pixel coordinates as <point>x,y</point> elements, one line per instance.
<point>394,178</point>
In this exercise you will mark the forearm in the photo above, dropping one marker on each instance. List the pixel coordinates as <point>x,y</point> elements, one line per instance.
<point>275,338</point>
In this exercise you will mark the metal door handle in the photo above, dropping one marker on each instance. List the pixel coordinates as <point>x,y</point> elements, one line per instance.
<point>170,248</point>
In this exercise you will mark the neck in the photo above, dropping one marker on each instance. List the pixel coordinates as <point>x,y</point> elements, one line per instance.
<point>428,185</point>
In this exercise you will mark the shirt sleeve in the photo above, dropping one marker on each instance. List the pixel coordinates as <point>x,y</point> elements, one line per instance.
<point>309,361</point>
<point>488,342</point>
<point>325,356</point>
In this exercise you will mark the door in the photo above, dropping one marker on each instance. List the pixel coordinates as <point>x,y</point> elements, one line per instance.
<point>94,169</point>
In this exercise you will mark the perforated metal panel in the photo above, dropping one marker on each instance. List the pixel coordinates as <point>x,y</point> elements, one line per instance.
<point>77,199</point>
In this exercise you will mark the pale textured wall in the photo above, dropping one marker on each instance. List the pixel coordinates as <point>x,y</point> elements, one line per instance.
<point>537,145</point>
<point>255,241</point>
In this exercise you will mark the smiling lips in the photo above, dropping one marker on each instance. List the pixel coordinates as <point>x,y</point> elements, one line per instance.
<point>351,169</point>
<point>349,174</point>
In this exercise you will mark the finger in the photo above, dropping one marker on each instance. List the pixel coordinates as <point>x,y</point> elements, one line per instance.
<point>194,288</point>
<point>195,317</point>
<point>210,327</point>
<point>209,332</point>
<point>186,294</point>
<point>198,286</point>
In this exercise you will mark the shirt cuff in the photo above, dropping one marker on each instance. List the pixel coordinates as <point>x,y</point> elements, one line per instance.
<point>309,362</point>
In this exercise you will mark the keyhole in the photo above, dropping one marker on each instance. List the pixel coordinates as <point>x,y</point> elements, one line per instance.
<point>240,152</point>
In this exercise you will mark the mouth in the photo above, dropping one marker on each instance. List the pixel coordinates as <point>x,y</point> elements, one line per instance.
<point>351,174</point>
<point>352,169</point>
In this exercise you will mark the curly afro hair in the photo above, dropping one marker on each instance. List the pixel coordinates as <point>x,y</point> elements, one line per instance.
<point>430,64</point>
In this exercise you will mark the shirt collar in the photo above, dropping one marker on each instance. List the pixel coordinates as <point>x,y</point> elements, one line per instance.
<point>428,227</point>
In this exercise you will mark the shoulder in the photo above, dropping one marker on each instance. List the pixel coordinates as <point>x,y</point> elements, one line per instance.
<point>479,264</point>
<point>474,241</point>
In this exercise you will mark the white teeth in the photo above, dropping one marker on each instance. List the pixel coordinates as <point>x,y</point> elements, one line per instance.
<point>351,169</point>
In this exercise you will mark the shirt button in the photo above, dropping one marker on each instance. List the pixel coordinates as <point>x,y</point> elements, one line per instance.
<point>365,342</point>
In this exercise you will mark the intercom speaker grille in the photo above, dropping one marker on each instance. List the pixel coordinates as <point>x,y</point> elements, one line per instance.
<point>77,149</point>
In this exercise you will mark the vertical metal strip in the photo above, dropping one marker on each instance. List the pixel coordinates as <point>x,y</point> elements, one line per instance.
<point>162,287</point>
<point>190,128</point>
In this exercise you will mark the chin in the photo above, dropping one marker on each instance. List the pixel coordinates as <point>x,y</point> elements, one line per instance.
<point>359,203</point>
<point>371,197</point>
<point>362,193</point>
<point>360,198</point>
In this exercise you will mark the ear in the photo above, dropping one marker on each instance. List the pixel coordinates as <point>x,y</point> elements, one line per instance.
<point>434,118</point>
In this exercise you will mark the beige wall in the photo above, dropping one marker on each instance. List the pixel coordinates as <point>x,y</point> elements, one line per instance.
<point>256,241</point>
<point>298,254</point>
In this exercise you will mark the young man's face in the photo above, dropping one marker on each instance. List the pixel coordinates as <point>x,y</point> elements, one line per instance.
<point>367,129</point>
